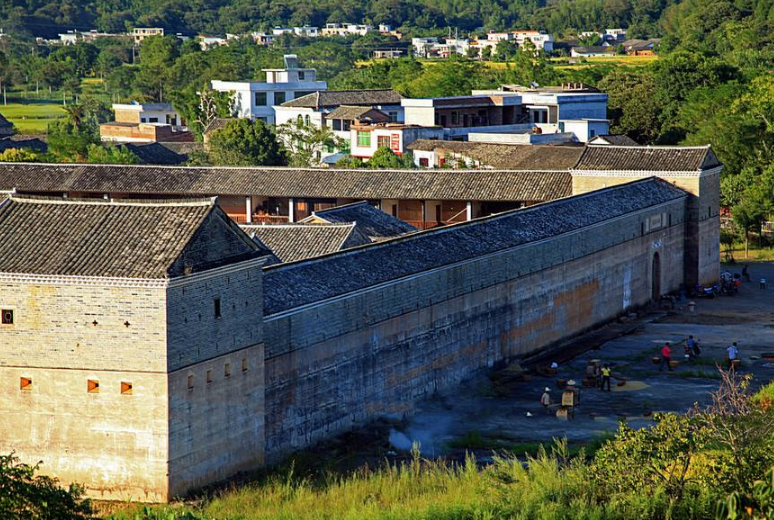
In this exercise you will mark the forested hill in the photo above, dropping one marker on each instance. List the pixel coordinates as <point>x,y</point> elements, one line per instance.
<point>49,17</point>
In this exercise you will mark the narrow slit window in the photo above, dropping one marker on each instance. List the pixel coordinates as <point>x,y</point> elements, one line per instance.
<point>209,377</point>
<point>227,370</point>
<point>190,382</point>
<point>92,386</point>
<point>217,308</point>
<point>126,388</point>
<point>244,365</point>
<point>25,383</point>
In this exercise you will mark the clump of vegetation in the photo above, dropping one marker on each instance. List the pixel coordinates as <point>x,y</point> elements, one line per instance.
<point>27,496</point>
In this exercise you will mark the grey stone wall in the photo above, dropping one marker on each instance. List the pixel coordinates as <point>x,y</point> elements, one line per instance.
<point>333,365</point>
<point>216,380</point>
<point>195,334</point>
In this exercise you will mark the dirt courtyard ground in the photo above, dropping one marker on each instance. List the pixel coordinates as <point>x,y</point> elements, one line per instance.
<point>491,411</point>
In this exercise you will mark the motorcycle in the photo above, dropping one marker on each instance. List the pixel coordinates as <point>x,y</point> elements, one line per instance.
<point>728,288</point>
<point>699,291</point>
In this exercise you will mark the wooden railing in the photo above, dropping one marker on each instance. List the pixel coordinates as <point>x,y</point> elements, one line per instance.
<point>261,219</point>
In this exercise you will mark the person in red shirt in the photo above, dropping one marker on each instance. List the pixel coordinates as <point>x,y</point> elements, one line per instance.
<point>666,357</point>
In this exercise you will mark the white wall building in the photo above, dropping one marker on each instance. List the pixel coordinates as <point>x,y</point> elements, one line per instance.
<point>423,46</point>
<point>163,113</point>
<point>257,100</point>
<point>345,29</point>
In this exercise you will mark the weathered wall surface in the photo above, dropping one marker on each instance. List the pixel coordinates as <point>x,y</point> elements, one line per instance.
<point>194,331</point>
<point>332,365</point>
<point>83,326</point>
<point>216,380</point>
<point>702,251</point>
<point>216,426</point>
<point>113,443</point>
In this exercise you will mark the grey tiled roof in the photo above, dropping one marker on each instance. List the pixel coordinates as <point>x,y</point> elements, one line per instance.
<point>507,156</point>
<point>122,239</point>
<point>614,139</point>
<point>372,222</point>
<point>336,98</point>
<point>36,143</point>
<point>292,242</point>
<point>171,154</point>
<point>356,113</point>
<point>4,123</point>
<point>646,158</point>
<point>485,185</point>
<point>293,285</point>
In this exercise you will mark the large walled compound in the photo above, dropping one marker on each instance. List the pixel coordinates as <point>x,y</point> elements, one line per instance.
<point>333,341</point>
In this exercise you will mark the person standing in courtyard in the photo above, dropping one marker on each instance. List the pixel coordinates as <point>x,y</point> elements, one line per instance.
<point>733,354</point>
<point>666,357</point>
<point>605,378</point>
<point>763,283</point>
<point>545,399</point>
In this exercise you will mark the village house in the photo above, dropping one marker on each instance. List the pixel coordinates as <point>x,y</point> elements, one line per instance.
<point>259,100</point>
<point>366,138</point>
<point>573,109</point>
<point>129,355</point>
<point>140,33</point>
<point>370,220</point>
<point>345,29</point>
<point>294,242</point>
<point>145,123</point>
<point>593,51</point>
<point>493,156</point>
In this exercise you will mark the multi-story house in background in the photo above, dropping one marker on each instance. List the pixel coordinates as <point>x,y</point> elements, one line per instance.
<point>258,99</point>
<point>140,33</point>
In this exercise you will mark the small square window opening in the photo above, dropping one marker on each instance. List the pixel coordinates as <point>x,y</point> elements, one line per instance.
<point>25,383</point>
<point>92,386</point>
<point>6,316</point>
<point>126,388</point>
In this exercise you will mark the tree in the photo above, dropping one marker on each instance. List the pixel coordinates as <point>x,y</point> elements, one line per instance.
<point>18,155</point>
<point>199,108</point>
<point>111,155</point>
<point>69,138</point>
<point>243,142</point>
<point>387,159</point>
<point>632,105</point>
<point>27,496</point>
<point>157,56</point>
<point>306,143</point>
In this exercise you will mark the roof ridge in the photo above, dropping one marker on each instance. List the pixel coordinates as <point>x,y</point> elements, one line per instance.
<point>41,199</point>
<point>649,147</point>
<point>300,225</point>
<point>423,171</point>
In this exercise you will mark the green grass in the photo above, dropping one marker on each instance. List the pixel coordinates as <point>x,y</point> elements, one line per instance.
<point>32,117</point>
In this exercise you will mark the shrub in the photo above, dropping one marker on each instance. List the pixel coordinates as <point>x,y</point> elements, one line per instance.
<point>26,496</point>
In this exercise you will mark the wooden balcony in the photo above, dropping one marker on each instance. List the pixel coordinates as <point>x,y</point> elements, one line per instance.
<point>261,219</point>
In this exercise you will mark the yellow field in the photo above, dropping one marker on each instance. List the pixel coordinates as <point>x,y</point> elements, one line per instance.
<point>561,63</point>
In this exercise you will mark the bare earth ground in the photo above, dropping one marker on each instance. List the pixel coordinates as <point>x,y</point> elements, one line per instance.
<point>490,412</point>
